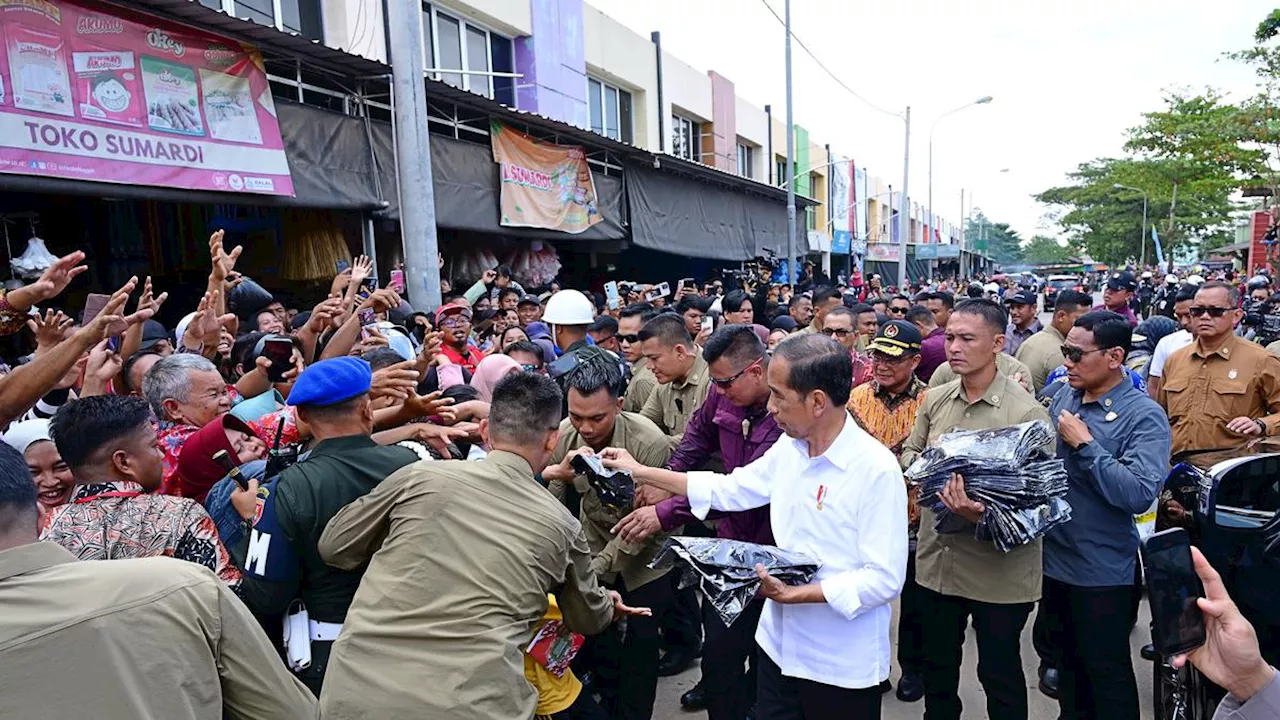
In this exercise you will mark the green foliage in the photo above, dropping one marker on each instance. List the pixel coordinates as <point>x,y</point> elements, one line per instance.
<point>1042,249</point>
<point>997,241</point>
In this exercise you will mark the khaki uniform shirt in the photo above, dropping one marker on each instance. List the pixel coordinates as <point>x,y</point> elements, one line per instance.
<point>672,404</point>
<point>1042,353</point>
<point>1006,365</point>
<point>957,564</point>
<point>1202,392</point>
<point>461,556</point>
<point>641,386</point>
<point>143,638</point>
<point>649,446</point>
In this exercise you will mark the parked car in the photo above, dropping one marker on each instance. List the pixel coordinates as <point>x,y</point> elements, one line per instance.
<point>1057,283</point>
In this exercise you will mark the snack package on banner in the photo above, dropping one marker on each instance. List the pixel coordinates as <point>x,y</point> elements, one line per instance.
<point>1008,471</point>
<point>725,570</point>
<point>614,486</point>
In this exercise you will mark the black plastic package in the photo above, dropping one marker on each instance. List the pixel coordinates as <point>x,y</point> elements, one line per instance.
<point>725,570</point>
<point>614,486</point>
<point>1005,469</point>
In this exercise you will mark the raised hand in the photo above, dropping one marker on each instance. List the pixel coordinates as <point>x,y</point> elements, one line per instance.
<point>361,268</point>
<point>112,314</point>
<point>397,381</point>
<point>223,262</point>
<point>58,276</point>
<point>50,329</point>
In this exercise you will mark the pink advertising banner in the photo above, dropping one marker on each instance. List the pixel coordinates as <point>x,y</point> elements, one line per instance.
<point>93,92</point>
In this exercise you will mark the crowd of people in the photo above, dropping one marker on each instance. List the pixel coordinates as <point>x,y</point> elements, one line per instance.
<point>363,510</point>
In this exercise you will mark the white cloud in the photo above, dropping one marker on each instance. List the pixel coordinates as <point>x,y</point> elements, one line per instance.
<point>1068,78</point>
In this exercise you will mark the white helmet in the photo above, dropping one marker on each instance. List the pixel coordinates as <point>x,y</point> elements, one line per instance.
<point>1171,279</point>
<point>569,307</point>
<point>1195,280</point>
<point>1146,275</point>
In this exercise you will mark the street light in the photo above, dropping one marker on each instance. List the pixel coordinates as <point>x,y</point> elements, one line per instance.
<point>984,100</point>
<point>1142,239</point>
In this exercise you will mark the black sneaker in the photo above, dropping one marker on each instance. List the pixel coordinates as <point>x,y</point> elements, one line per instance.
<point>695,699</point>
<point>1049,681</point>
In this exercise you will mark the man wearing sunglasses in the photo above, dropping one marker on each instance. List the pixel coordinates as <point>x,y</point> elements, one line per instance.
<point>1221,389</point>
<point>1115,445</point>
<point>898,307</point>
<point>680,370</point>
<point>1117,295</point>
<point>630,320</point>
<point>886,409</point>
<point>841,325</point>
<point>735,421</point>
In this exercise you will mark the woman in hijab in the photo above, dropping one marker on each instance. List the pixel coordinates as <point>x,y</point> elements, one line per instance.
<point>490,370</point>
<point>53,478</point>
<point>198,471</point>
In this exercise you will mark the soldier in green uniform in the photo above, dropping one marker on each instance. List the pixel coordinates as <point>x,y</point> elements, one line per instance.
<point>332,397</point>
<point>595,422</point>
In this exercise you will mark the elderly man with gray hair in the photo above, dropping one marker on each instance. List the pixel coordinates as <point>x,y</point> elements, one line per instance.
<point>186,392</point>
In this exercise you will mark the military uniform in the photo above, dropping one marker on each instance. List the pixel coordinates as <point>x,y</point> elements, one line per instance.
<point>460,557</point>
<point>615,560</point>
<point>962,577</point>
<point>641,386</point>
<point>672,403</point>
<point>1006,365</point>
<point>1042,353</point>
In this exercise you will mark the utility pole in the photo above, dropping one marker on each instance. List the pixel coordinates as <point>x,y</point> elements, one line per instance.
<point>904,219</point>
<point>791,162</point>
<point>964,225</point>
<point>413,162</point>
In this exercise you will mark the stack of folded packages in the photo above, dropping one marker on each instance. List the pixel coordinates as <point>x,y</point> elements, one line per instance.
<point>725,570</point>
<point>1005,469</point>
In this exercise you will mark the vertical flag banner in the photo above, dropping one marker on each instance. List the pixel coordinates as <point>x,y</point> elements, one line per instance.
<point>1159,250</point>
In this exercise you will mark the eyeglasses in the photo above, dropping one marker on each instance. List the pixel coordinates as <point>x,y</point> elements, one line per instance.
<point>726,382</point>
<point>628,339</point>
<point>1214,312</point>
<point>454,321</point>
<point>529,367</point>
<point>886,359</point>
<point>1075,354</point>
<point>836,332</point>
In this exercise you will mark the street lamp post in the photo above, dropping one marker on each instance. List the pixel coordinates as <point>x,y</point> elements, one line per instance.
<point>904,220</point>
<point>1142,238</point>
<point>791,163</point>
<point>984,100</point>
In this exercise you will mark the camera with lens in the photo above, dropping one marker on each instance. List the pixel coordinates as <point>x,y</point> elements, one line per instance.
<point>1263,318</point>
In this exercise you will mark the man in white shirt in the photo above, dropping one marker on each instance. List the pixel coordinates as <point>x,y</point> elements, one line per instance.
<point>825,644</point>
<point>1172,342</point>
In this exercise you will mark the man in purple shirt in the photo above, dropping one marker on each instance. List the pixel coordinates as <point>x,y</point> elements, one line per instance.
<point>1119,291</point>
<point>733,419</point>
<point>933,350</point>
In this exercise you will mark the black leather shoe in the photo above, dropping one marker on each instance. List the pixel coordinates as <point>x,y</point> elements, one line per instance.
<point>677,660</point>
<point>910,687</point>
<point>695,699</point>
<point>1049,681</point>
<point>1148,653</point>
<point>885,686</point>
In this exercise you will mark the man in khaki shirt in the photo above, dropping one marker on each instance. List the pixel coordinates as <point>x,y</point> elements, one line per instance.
<point>1006,365</point>
<point>149,637</point>
<point>1221,389</point>
<point>681,373</point>
<point>595,423</point>
<point>958,575</point>
<point>630,321</point>
<point>461,556</point>
<point>1042,352</point>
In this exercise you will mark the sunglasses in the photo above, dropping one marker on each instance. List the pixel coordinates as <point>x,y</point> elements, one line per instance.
<point>724,383</point>
<point>898,311</point>
<point>628,339</point>
<point>832,332</point>
<point>1213,312</point>
<point>528,367</point>
<point>1075,354</point>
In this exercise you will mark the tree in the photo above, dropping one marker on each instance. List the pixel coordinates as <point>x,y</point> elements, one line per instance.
<point>997,241</point>
<point>1046,250</point>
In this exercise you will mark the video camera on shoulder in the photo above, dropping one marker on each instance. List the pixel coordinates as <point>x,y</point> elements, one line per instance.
<point>1263,316</point>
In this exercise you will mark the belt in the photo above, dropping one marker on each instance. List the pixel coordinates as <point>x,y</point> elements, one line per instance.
<point>324,631</point>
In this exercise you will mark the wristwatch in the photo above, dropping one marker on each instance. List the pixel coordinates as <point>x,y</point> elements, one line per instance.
<point>1083,445</point>
<point>1262,427</point>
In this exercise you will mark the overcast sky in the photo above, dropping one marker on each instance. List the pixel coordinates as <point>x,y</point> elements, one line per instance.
<point>1068,78</point>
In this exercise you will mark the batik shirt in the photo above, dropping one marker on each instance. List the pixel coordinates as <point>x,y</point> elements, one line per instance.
<point>171,437</point>
<point>889,418</point>
<point>117,520</point>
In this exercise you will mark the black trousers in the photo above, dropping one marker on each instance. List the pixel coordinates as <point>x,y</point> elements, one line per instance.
<point>1089,632</point>
<point>999,630</point>
<point>911,623</point>
<point>1041,638</point>
<point>682,627</point>
<point>730,688</point>
<point>786,698</point>
<point>584,708</point>
<point>632,653</point>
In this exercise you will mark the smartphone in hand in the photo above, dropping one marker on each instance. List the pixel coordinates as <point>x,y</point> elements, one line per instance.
<point>94,304</point>
<point>397,280</point>
<point>280,352</point>
<point>1173,587</point>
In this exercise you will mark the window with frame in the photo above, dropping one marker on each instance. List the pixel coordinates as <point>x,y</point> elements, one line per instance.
<point>746,160</point>
<point>295,16</point>
<point>610,108</point>
<point>686,138</point>
<point>471,51</point>
<point>780,171</point>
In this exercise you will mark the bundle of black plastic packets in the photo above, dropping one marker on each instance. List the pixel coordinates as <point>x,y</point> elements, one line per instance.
<point>725,570</point>
<point>1005,469</point>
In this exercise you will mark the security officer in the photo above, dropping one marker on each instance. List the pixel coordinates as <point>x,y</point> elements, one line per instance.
<point>683,377</point>
<point>332,398</point>
<point>595,422</point>
<point>570,313</point>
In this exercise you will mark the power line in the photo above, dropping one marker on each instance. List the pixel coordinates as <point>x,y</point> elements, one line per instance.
<point>825,69</point>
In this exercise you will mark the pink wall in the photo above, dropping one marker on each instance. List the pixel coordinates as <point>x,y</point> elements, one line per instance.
<point>724,125</point>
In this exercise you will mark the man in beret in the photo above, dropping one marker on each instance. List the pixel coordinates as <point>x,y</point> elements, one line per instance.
<point>332,398</point>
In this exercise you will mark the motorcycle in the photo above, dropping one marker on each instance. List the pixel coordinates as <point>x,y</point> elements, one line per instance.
<point>1229,502</point>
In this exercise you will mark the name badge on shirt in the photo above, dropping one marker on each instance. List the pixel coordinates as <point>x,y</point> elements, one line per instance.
<point>822,494</point>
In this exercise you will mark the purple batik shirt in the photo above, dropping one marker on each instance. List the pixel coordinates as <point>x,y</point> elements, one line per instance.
<point>1127,312</point>
<point>933,352</point>
<point>719,425</point>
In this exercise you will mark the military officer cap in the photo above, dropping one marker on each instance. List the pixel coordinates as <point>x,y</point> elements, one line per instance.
<point>897,337</point>
<point>332,381</point>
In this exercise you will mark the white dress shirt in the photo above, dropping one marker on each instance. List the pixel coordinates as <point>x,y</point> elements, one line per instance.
<point>1168,345</point>
<point>859,533</point>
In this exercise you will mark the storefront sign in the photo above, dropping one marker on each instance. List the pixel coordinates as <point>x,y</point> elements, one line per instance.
<point>93,92</point>
<point>543,185</point>
<point>882,252</point>
<point>948,251</point>
<point>926,252</point>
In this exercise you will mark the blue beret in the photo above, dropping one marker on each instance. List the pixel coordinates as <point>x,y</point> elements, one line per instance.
<point>330,382</point>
